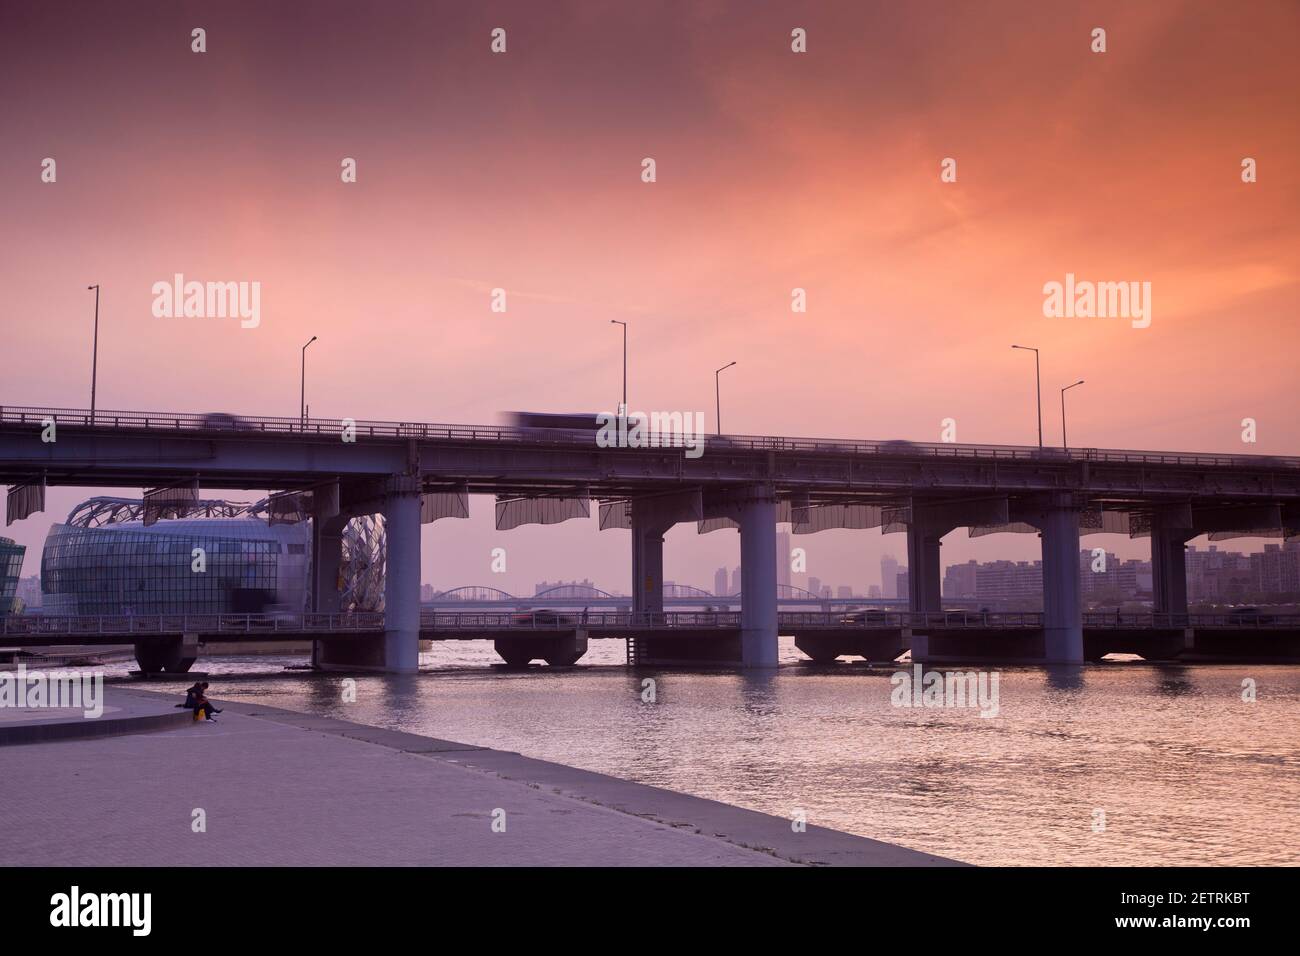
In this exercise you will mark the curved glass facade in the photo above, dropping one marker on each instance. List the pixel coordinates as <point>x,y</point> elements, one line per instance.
<point>11,567</point>
<point>127,568</point>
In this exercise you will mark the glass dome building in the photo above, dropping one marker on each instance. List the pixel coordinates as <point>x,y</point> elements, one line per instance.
<point>209,565</point>
<point>217,557</point>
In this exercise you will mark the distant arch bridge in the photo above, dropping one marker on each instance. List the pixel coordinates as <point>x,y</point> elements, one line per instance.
<point>675,595</point>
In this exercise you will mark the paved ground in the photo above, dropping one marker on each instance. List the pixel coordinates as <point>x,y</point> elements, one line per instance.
<point>113,712</point>
<point>284,788</point>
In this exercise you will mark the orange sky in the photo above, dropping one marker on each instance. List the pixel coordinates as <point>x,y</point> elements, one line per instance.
<point>775,171</point>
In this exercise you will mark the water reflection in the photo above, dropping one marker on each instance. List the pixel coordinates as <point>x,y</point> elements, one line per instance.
<point>758,692</point>
<point>1068,677</point>
<point>1188,772</point>
<point>1173,680</point>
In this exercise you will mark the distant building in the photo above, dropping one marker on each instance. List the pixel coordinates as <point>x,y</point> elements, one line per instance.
<point>902,584</point>
<point>735,581</point>
<point>720,582</point>
<point>815,585</point>
<point>844,592</point>
<point>1277,569</point>
<point>1116,578</point>
<point>1020,581</point>
<point>427,592</point>
<point>11,566</point>
<point>889,576</point>
<point>1009,581</point>
<point>959,580</point>
<point>873,591</point>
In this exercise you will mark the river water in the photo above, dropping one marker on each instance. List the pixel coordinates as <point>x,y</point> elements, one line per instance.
<point>1116,763</point>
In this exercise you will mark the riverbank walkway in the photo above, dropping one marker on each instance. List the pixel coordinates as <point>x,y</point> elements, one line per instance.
<point>275,787</point>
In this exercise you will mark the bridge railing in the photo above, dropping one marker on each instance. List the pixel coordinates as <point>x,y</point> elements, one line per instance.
<point>65,628</point>
<point>133,625</point>
<point>1135,619</point>
<point>572,620</point>
<point>223,423</point>
<point>1235,620</point>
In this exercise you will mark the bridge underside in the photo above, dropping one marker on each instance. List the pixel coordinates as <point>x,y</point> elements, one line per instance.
<point>826,646</point>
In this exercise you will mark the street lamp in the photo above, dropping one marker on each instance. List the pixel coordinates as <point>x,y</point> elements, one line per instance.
<point>94,359</point>
<point>302,404</point>
<point>1038,379</point>
<point>717,389</point>
<point>1063,391</point>
<point>623,407</point>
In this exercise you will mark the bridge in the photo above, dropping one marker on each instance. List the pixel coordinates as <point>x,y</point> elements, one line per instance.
<point>706,636</point>
<point>330,470</point>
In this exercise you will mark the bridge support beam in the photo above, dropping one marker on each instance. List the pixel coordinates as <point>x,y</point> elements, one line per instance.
<point>647,563</point>
<point>929,522</point>
<point>924,569</point>
<point>1170,531</point>
<point>326,562</point>
<point>1062,611</point>
<point>402,575</point>
<point>758,634</point>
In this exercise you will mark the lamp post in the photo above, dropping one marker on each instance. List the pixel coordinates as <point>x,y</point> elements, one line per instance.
<point>302,402</point>
<point>1063,391</point>
<point>94,355</point>
<point>623,407</point>
<point>1038,380</point>
<point>717,390</point>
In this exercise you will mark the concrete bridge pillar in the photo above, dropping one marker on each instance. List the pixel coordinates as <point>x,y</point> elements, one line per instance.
<point>647,562</point>
<point>1062,611</point>
<point>1169,560</point>
<point>758,636</point>
<point>401,511</point>
<point>924,569</point>
<point>326,562</point>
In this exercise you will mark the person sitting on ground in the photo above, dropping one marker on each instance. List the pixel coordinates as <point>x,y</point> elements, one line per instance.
<point>190,694</point>
<point>201,703</point>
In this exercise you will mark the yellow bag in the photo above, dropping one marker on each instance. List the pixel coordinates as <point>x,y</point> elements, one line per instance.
<point>198,714</point>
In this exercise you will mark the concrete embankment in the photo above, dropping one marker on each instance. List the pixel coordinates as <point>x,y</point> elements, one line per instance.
<point>276,787</point>
<point>119,713</point>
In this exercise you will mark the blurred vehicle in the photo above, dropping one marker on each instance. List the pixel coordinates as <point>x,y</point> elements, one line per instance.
<point>866,615</point>
<point>224,420</point>
<point>898,446</point>
<point>282,613</point>
<point>576,421</point>
<point>1249,615</point>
